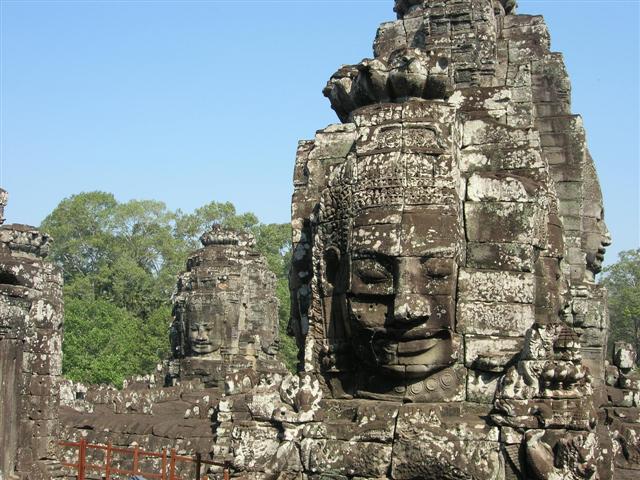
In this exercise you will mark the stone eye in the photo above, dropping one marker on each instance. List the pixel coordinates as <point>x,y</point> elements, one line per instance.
<point>373,275</point>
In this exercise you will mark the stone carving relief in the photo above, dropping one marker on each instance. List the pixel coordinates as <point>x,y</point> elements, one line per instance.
<point>225,311</point>
<point>446,237</point>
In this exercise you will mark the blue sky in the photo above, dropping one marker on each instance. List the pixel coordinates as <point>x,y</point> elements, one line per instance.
<point>188,102</point>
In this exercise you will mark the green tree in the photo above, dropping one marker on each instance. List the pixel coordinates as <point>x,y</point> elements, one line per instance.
<point>121,260</point>
<point>622,280</point>
<point>102,342</point>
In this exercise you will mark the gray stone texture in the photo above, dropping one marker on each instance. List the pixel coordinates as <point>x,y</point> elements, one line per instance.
<point>30,353</point>
<point>446,236</point>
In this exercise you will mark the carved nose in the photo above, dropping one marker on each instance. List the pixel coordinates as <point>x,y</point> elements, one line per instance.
<point>606,239</point>
<point>410,307</point>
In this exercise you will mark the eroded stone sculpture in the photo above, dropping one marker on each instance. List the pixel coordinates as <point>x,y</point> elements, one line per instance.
<point>446,237</point>
<point>225,309</point>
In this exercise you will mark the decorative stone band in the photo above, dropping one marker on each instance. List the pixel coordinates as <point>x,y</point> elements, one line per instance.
<point>416,7</point>
<point>219,235</point>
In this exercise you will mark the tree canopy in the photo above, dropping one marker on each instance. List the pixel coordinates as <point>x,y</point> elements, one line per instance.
<point>120,262</point>
<point>622,280</point>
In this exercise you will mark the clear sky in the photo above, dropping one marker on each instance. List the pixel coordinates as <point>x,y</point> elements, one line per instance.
<point>192,101</point>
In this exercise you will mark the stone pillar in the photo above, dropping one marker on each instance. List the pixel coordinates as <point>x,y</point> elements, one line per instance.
<point>30,353</point>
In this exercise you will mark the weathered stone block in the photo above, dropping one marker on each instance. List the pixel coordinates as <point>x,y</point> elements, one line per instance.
<point>254,445</point>
<point>491,354</point>
<point>487,318</point>
<point>364,459</point>
<point>479,132</point>
<point>488,286</point>
<point>334,141</point>
<point>503,222</point>
<point>481,386</point>
<point>500,256</point>
<point>497,188</point>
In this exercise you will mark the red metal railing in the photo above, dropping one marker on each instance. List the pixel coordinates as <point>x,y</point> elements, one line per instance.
<point>170,457</point>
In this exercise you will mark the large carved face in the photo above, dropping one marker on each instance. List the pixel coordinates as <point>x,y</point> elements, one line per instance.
<point>392,270</point>
<point>400,298</point>
<point>595,234</point>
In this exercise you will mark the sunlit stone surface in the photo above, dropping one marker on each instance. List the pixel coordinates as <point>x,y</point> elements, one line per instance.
<point>446,236</point>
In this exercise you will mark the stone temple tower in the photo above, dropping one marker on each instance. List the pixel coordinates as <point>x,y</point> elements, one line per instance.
<point>225,310</point>
<point>446,237</point>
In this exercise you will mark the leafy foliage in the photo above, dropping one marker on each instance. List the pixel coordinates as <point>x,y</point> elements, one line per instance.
<point>120,263</point>
<point>105,343</point>
<point>622,280</point>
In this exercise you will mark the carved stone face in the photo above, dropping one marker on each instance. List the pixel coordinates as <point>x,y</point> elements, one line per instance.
<point>205,321</point>
<point>398,294</point>
<point>595,235</point>
<point>203,336</point>
<point>595,240</point>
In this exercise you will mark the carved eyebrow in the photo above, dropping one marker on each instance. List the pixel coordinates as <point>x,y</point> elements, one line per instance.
<point>442,252</point>
<point>370,254</point>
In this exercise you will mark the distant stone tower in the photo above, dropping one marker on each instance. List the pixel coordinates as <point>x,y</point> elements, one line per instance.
<point>225,310</point>
<point>30,353</point>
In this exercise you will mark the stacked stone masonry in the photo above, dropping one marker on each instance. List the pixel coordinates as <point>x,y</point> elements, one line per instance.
<point>30,353</point>
<point>446,238</point>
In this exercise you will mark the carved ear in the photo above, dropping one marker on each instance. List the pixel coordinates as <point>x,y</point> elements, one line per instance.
<point>332,264</point>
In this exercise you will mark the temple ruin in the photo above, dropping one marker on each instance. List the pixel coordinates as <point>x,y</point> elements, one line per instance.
<point>446,237</point>
<point>224,328</point>
<point>30,353</point>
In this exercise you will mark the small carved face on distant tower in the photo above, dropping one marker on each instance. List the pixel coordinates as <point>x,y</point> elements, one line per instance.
<point>201,339</point>
<point>204,325</point>
<point>224,303</point>
<point>208,307</point>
